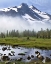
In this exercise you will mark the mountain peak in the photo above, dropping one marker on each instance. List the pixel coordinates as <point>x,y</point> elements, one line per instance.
<point>24,5</point>
<point>15,7</point>
<point>25,11</point>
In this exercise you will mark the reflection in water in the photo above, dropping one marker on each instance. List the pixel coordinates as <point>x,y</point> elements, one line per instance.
<point>24,54</point>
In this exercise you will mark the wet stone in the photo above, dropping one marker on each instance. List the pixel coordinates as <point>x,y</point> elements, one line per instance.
<point>9,54</point>
<point>47,59</point>
<point>40,57</point>
<point>12,52</point>
<point>50,54</point>
<point>4,54</point>
<point>28,57</point>
<point>4,58</point>
<point>21,54</point>
<point>32,56</point>
<point>4,48</point>
<point>37,52</point>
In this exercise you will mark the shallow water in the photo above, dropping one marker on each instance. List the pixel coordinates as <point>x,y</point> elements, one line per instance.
<point>26,51</point>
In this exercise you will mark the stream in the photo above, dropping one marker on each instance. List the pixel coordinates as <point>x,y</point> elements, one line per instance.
<point>23,54</point>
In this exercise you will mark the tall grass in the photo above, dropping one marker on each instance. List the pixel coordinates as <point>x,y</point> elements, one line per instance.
<point>31,42</point>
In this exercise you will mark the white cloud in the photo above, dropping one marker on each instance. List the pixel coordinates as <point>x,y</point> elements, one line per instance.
<point>10,23</point>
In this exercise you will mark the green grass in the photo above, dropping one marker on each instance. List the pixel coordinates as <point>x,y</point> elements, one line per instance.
<point>18,62</point>
<point>32,42</point>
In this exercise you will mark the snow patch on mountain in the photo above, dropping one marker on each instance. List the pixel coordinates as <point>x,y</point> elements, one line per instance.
<point>8,9</point>
<point>19,6</point>
<point>42,14</point>
<point>26,16</point>
<point>31,20</point>
<point>28,13</point>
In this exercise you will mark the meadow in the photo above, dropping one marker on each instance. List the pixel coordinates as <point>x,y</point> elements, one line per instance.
<point>24,42</point>
<point>19,62</point>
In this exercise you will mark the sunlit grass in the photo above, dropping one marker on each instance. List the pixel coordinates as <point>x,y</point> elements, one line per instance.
<point>33,62</point>
<point>32,42</point>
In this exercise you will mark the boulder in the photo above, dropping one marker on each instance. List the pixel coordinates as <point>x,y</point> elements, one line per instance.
<point>4,48</point>
<point>4,58</point>
<point>50,54</point>
<point>4,54</point>
<point>36,52</point>
<point>28,57</point>
<point>23,54</point>
<point>47,59</point>
<point>32,56</point>
<point>40,57</point>
<point>9,54</point>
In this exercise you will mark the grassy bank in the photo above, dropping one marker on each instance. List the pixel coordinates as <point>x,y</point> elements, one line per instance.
<point>31,42</point>
<point>39,62</point>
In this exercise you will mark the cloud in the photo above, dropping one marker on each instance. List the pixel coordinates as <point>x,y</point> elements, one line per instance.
<point>11,23</point>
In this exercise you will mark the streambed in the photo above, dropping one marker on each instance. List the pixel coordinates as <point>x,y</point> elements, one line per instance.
<point>23,54</point>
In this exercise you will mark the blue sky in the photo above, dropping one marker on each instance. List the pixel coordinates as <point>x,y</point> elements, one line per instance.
<point>43,5</point>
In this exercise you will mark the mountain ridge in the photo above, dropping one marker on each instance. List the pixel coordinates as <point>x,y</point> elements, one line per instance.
<point>25,11</point>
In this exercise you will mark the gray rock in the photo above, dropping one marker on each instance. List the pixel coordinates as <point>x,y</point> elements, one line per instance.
<point>47,59</point>
<point>4,58</point>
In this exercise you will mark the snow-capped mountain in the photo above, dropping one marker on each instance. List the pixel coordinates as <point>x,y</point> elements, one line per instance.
<point>29,13</point>
<point>24,17</point>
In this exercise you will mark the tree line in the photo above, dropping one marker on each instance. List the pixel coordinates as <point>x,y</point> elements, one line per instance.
<point>27,33</point>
